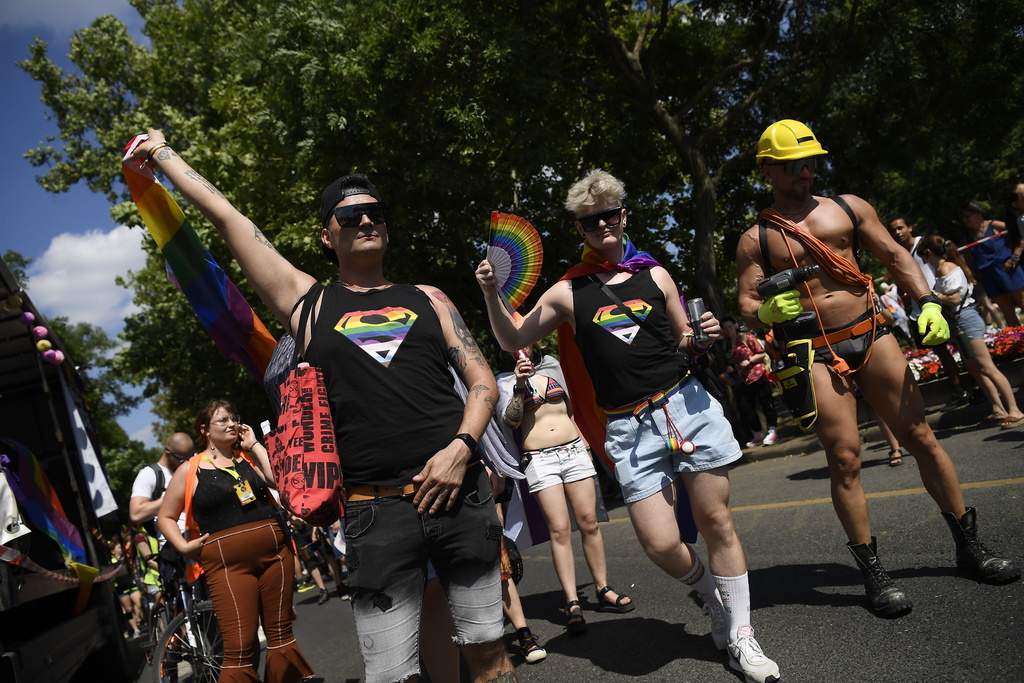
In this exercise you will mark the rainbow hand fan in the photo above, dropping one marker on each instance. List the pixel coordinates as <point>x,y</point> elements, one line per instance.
<point>516,253</point>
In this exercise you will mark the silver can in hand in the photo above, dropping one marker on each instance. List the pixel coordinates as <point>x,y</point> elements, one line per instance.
<point>695,307</point>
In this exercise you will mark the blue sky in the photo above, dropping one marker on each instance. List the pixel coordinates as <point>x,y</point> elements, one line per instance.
<point>78,250</point>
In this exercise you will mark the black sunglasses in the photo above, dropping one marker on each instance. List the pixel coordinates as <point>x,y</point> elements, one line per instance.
<point>610,217</point>
<point>352,215</point>
<point>797,165</point>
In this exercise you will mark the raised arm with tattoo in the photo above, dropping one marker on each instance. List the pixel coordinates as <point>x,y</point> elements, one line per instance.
<point>276,281</point>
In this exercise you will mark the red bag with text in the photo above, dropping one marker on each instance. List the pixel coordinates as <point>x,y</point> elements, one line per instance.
<point>302,449</point>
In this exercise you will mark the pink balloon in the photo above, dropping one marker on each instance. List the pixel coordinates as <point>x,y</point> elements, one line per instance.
<point>27,318</point>
<point>39,332</point>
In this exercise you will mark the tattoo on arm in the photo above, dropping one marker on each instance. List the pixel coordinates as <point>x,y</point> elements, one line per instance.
<point>505,677</point>
<point>488,400</point>
<point>462,332</point>
<point>457,358</point>
<point>164,153</point>
<point>202,181</point>
<point>482,389</point>
<point>514,411</point>
<point>259,237</point>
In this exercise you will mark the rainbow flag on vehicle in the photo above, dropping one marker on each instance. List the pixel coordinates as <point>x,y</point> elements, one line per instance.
<point>38,501</point>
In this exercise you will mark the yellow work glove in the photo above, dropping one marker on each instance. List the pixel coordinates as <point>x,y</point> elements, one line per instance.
<point>780,307</point>
<point>932,327</point>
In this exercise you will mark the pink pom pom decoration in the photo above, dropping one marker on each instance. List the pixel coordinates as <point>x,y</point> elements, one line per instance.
<point>27,318</point>
<point>39,332</point>
<point>53,356</point>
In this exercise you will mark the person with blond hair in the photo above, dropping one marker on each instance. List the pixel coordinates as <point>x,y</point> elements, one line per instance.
<point>621,322</point>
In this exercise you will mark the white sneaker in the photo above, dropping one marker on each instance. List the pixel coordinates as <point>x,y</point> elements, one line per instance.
<point>719,625</point>
<point>771,438</point>
<point>756,441</point>
<point>745,656</point>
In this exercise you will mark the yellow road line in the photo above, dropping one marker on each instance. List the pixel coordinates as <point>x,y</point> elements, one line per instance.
<point>818,501</point>
<point>884,494</point>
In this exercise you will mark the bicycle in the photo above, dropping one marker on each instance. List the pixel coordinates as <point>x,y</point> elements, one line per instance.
<point>191,648</point>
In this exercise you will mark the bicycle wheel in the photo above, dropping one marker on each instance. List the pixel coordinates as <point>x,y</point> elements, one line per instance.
<point>192,648</point>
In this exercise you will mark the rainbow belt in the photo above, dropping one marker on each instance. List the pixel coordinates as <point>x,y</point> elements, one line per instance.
<point>645,405</point>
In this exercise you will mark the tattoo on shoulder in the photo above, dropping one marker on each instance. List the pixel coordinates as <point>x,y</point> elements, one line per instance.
<point>258,235</point>
<point>440,296</point>
<point>203,181</point>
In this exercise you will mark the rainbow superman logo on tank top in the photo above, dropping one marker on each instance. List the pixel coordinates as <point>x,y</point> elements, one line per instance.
<point>379,332</point>
<point>618,323</point>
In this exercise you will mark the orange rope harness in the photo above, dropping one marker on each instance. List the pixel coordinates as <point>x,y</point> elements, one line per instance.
<point>837,266</point>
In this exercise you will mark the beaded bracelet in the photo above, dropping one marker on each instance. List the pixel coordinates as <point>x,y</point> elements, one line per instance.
<point>149,154</point>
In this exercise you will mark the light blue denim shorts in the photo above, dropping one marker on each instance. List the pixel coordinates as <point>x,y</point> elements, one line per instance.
<point>644,464</point>
<point>972,323</point>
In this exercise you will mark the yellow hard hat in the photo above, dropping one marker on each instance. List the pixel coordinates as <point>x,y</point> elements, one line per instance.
<point>788,139</point>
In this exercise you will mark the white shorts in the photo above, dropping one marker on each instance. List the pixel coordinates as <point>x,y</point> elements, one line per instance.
<point>558,465</point>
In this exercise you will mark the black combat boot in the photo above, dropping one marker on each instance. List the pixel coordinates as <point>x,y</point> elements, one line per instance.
<point>885,598</point>
<point>972,557</point>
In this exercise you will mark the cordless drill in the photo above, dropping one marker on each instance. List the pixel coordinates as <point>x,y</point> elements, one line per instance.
<point>785,281</point>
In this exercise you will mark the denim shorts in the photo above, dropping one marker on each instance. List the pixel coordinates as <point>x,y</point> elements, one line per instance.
<point>971,322</point>
<point>389,545</point>
<point>644,464</point>
<point>558,465</point>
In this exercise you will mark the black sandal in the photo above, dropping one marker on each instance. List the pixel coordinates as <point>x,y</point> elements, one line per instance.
<point>618,606</point>
<point>895,457</point>
<point>576,623</point>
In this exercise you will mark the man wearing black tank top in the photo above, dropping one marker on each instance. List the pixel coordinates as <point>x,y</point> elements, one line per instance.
<point>415,485</point>
<point>801,229</point>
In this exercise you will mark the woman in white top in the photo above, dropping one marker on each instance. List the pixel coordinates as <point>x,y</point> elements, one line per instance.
<point>954,285</point>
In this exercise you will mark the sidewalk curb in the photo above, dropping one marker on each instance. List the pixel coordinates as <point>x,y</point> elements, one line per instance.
<point>794,442</point>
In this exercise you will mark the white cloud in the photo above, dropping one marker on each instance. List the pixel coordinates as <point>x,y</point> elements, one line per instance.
<point>61,17</point>
<point>143,434</point>
<point>75,276</point>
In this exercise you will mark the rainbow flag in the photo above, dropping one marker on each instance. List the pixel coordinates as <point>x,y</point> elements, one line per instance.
<point>38,501</point>
<point>238,332</point>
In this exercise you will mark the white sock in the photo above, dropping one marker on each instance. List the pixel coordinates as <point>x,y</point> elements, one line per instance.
<point>735,592</point>
<point>700,579</point>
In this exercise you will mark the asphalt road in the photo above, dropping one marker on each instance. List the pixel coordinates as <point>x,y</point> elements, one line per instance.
<point>808,598</point>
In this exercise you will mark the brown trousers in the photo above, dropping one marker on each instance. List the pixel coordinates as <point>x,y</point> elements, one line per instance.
<point>250,571</point>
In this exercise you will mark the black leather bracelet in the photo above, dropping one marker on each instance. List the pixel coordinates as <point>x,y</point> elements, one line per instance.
<point>468,440</point>
<point>928,299</point>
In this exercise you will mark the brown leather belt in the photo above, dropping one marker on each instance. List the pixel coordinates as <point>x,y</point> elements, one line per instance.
<point>370,492</point>
<point>863,327</point>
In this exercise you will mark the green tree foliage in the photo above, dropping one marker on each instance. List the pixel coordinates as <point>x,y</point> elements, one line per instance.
<point>19,266</point>
<point>457,107</point>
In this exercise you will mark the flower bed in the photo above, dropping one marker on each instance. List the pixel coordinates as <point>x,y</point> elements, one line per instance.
<point>1005,345</point>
